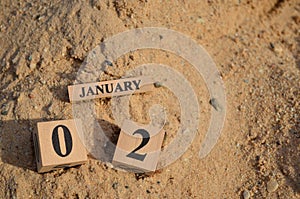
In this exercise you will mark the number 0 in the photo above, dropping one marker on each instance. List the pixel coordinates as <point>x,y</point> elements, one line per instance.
<point>68,140</point>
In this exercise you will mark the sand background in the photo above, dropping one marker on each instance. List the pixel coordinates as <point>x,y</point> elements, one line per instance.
<point>255,45</point>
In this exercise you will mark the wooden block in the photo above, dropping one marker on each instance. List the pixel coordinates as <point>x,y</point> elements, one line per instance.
<point>57,145</point>
<point>138,148</point>
<point>109,88</point>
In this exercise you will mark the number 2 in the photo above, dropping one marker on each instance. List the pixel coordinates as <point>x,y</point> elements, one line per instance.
<point>146,138</point>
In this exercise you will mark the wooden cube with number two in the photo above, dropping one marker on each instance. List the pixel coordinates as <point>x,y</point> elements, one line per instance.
<point>57,145</point>
<point>138,148</point>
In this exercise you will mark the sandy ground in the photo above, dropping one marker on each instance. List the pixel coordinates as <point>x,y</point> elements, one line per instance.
<point>255,44</point>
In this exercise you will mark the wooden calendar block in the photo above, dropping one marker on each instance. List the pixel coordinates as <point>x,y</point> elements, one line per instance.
<point>57,145</point>
<point>138,148</point>
<point>110,88</point>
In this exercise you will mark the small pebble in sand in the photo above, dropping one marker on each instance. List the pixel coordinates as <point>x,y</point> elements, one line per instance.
<point>157,84</point>
<point>29,57</point>
<point>109,63</point>
<point>272,185</point>
<point>215,104</point>
<point>4,112</point>
<point>246,194</point>
<point>115,185</point>
<point>4,109</point>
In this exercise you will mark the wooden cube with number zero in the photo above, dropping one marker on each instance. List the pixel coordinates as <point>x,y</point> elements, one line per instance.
<point>138,148</point>
<point>57,145</point>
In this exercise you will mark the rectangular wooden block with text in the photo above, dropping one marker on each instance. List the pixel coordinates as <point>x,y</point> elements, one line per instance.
<point>109,88</point>
<point>57,145</point>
